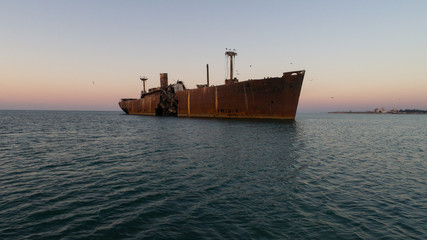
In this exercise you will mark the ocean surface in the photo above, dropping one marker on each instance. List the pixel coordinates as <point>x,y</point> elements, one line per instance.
<point>107,175</point>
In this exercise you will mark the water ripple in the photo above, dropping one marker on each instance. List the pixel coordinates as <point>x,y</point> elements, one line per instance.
<point>73,175</point>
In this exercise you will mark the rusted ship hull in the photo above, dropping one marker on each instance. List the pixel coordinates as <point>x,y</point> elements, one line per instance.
<point>273,98</point>
<point>269,98</point>
<point>142,106</point>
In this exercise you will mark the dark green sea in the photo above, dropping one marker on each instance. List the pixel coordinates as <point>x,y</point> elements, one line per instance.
<point>107,175</point>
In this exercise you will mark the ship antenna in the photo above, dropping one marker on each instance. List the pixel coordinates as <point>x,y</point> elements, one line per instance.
<point>231,54</point>
<point>143,79</point>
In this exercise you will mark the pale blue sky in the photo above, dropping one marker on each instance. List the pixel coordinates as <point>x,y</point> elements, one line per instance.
<point>364,54</point>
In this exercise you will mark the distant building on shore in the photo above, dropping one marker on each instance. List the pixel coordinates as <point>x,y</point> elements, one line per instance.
<point>380,110</point>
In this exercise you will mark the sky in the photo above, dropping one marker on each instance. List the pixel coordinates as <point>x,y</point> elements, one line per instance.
<point>88,54</point>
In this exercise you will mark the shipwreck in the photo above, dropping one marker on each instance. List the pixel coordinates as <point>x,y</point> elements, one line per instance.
<point>267,98</point>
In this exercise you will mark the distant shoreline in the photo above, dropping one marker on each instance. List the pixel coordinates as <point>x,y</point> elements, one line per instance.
<point>406,111</point>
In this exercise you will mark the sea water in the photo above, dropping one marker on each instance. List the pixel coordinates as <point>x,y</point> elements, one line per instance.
<point>107,175</point>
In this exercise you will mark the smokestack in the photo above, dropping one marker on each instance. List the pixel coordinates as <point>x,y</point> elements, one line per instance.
<point>207,75</point>
<point>164,80</point>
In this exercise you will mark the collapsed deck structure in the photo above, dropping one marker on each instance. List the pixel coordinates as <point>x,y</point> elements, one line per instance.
<point>268,98</point>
